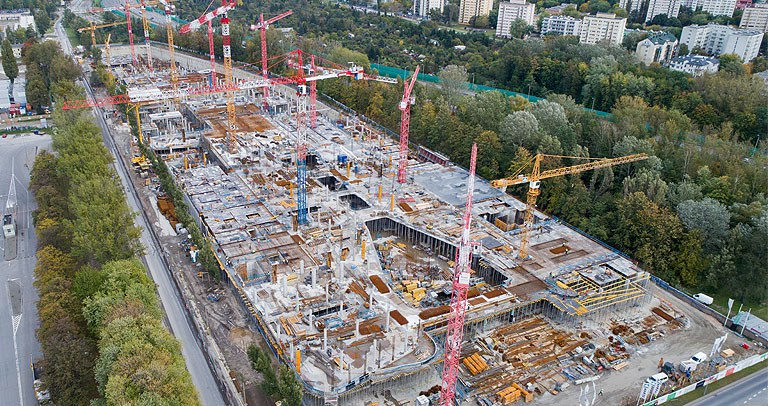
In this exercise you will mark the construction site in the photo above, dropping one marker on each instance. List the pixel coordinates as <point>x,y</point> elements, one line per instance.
<point>369,264</point>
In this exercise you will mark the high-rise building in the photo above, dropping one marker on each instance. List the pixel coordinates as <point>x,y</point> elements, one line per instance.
<point>632,5</point>
<point>652,8</point>
<point>510,11</point>
<point>563,25</point>
<point>473,8</point>
<point>603,27</point>
<point>658,48</point>
<point>717,39</point>
<point>423,7</point>
<point>657,7</point>
<point>755,18</point>
<point>718,7</point>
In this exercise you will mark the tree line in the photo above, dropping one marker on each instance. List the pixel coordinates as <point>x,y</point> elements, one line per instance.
<point>100,319</point>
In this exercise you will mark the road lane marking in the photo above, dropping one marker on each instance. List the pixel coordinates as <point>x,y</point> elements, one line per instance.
<point>15,344</point>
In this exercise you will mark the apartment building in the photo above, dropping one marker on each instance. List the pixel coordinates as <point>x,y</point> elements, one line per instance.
<point>422,8</point>
<point>718,7</point>
<point>562,25</point>
<point>717,39</point>
<point>659,48</point>
<point>755,18</point>
<point>602,27</point>
<point>695,65</point>
<point>473,8</point>
<point>510,11</point>
<point>657,7</point>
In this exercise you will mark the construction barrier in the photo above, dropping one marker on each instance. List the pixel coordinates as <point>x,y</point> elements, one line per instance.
<point>745,363</point>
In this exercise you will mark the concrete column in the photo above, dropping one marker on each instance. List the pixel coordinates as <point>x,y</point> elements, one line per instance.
<point>325,339</point>
<point>314,276</point>
<point>386,325</point>
<point>357,327</point>
<point>370,299</point>
<point>301,267</point>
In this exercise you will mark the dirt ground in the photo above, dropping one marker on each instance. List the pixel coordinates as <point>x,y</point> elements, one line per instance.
<point>621,387</point>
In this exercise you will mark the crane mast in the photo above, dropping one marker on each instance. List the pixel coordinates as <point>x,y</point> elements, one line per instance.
<point>313,96</point>
<point>534,183</point>
<point>145,23</point>
<point>106,49</point>
<point>231,117</point>
<point>405,124</point>
<point>301,147</point>
<point>458,306</point>
<point>169,8</point>
<point>262,27</point>
<point>212,53</point>
<point>130,31</point>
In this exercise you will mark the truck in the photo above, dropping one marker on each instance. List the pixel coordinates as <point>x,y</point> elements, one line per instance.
<point>703,298</point>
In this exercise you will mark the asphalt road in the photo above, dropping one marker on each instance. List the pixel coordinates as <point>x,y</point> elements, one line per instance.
<point>749,391</point>
<point>18,297</point>
<point>176,319</point>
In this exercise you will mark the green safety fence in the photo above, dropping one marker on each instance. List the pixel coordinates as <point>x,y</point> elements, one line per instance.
<point>393,72</point>
<point>150,9</point>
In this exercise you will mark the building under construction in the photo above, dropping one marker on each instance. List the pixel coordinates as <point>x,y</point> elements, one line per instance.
<point>357,298</point>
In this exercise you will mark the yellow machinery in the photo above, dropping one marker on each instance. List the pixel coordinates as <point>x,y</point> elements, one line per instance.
<point>536,175</point>
<point>93,27</point>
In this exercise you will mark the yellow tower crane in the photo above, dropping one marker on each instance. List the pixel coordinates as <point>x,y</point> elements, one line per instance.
<point>534,183</point>
<point>169,10</point>
<point>93,27</point>
<point>106,49</point>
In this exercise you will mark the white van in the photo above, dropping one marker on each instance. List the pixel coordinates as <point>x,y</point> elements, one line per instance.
<point>699,357</point>
<point>706,299</point>
<point>661,378</point>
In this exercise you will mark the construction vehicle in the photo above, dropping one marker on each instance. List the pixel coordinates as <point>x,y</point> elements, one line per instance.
<point>536,175</point>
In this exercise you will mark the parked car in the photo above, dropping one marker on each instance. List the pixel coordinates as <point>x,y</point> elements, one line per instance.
<point>699,357</point>
<point>703,298</point>
<point>660,377</point>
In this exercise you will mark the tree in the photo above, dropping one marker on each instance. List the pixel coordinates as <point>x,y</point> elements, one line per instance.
<point>453,83</point>
<point>708,216</point>
<point>731,64</point>
<point>518,28</point>
<point>648,182</point>
<point>10,66</point>
<point>519,129</point>
<point>37,91</point>
<point>260,362</point>
<point>42,21</point>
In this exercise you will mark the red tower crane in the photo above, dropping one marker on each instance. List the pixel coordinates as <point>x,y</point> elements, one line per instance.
<point>405,124</point>
<point>208,18</point>
<point>130,30</point>
<point>262,27</point>
<point>458,305</point>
